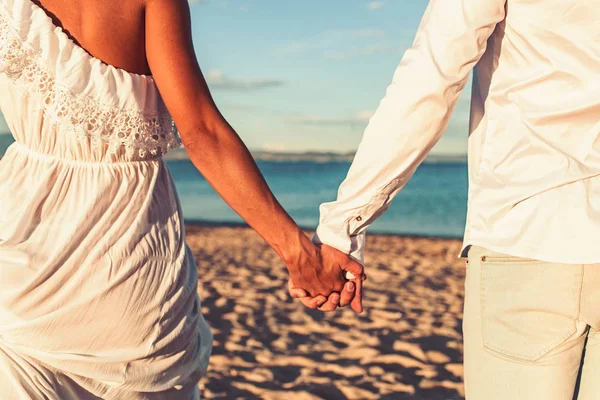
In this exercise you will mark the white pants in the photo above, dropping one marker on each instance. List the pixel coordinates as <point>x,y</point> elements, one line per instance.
<point>531,329</point>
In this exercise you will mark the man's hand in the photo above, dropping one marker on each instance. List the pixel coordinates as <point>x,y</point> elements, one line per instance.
<point>321,302</point>
<point>351,293</point>
<point>312,272</point>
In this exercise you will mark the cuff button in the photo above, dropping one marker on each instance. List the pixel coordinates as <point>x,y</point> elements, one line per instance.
<point>359,219</point>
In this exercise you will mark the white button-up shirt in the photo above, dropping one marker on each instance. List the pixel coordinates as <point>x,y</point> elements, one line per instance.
<point>534,143</point>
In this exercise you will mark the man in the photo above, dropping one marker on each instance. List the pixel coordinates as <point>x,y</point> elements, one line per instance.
<point>533,279</point>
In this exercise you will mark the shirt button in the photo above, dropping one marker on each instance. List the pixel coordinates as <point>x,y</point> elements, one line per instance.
<point>359,219</point>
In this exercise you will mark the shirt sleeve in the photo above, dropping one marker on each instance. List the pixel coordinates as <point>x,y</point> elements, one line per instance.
<point>410,119</point>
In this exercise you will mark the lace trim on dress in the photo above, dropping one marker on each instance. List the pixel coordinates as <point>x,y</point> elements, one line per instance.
<point>141,133</point>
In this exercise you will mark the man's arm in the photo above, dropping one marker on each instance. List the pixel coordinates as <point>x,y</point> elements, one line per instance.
<point>411,118</point>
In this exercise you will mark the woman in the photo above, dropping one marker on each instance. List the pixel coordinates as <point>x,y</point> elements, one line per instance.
<point>98,289</point>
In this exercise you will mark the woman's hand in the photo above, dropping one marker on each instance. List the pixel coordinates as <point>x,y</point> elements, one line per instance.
<point>319,273</point>
<point>321,302</point>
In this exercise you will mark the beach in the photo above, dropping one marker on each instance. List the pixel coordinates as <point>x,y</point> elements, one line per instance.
<point>407,344</point>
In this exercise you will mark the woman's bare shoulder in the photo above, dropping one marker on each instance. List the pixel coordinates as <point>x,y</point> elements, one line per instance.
<point>88,22</point>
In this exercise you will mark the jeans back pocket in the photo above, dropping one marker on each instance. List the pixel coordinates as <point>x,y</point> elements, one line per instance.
<point>528,307</point>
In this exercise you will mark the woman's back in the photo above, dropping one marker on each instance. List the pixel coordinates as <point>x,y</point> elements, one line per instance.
<point>110,30</point>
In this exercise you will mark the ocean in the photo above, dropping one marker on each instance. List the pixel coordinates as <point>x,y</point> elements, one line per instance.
<point>433,203</point>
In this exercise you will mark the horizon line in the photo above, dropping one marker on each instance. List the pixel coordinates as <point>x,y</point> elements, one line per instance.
<point>177,153</point>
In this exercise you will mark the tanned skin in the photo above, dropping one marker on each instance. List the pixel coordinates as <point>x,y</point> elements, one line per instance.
<point>153,38</point>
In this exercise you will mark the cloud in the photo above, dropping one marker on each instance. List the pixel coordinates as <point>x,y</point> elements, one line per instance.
<point>274,146</point>
<point>218,80</point>
<point>377,33</point>
<point>219,3</point>
<point>361,117</point>
<point>375,5</point>
<point>243,107</point>
<point>334,39</point>
<point>343,44</point>
<point>352,52</point>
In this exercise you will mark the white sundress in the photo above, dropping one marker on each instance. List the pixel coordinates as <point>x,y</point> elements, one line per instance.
<point>98,288</point>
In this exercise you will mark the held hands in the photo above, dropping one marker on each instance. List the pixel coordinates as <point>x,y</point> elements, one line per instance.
<point>318,280</point>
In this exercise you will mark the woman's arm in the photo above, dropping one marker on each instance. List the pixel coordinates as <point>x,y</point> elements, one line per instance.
<point>218,152</point>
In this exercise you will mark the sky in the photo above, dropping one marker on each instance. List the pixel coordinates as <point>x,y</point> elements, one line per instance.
<point>306,76</point>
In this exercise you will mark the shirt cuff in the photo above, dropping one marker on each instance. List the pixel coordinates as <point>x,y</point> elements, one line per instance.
<point>353,245</point>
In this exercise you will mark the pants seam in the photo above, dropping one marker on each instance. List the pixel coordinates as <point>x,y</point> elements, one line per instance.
<point>582,267</point>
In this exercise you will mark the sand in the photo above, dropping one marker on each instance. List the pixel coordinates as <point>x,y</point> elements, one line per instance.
<point>407,344</point>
